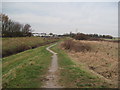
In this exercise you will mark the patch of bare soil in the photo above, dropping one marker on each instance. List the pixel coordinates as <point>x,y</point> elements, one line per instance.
<point>102,59</point>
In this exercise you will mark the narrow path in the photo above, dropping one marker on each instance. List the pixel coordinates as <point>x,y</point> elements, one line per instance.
<point>52,76</point>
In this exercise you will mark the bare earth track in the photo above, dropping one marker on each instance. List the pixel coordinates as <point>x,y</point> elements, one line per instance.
<point>52,77</point>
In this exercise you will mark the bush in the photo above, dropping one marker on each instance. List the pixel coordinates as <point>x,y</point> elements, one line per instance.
<point>75,46</point>
<point>78,47</point>
<point>81,36</point>
<point>68,44</point>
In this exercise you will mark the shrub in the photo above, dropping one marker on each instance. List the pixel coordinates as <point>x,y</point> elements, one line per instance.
<point>78,47</point>
<point>81,36</point>
<point>68,44</point>
<point>75,46</point>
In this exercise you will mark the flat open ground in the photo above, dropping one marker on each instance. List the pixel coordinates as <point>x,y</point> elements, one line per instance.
<point>102,59</point>
<point>34,68</point>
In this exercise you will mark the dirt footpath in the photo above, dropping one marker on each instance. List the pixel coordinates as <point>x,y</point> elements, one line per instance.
<point>52,76</point>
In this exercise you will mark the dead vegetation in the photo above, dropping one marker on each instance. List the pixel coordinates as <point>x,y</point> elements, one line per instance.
<point>19,44</point>
<point>100,56</point>
<point>72,45</point>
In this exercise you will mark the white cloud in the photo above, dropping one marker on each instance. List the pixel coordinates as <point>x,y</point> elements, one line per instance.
<point>32,18</point>
<point>59,18</point>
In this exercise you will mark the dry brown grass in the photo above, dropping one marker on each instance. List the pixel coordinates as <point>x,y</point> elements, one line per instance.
<point>103,58</point>
<point>14,45</point>
<point>72,45</point>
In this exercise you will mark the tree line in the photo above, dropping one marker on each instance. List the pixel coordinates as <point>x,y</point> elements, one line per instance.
<point>82,36</point>
<point>14,29</point>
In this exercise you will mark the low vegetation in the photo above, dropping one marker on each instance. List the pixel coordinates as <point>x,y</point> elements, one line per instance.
<point>71,45</point>
<point>15,45</point>
<point>73,76</point>
<point>26,69</point>
<point>102,58</point>
<point>82,36</point>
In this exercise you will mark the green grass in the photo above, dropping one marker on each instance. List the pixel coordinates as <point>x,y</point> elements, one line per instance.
<point>72,76</point>
<point>26,69</point>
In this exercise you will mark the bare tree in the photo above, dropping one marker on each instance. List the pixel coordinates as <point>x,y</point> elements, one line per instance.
<point>14,29</point>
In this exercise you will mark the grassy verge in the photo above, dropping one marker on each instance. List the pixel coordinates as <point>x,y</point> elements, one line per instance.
<point>72,76</point>
<point>26,69</point>
<point>19,44</point>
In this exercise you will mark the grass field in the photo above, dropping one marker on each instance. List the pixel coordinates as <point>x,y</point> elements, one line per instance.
<point>26,69</point>
<point>73,76</point>
<point>15,45</point>
<point>102,59</point>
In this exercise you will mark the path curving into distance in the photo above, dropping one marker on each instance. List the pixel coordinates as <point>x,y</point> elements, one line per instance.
<point>52,76</point>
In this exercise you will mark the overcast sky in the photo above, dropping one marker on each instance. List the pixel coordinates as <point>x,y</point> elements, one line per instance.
<point>65,17</point>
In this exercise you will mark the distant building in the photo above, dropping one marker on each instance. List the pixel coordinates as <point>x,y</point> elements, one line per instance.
<point>44,35</point>
<point>35,34</point>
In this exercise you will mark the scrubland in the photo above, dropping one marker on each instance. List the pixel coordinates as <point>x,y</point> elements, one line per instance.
<point>100,57</point>
<point>82,63</point>
<point>72,74</point>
